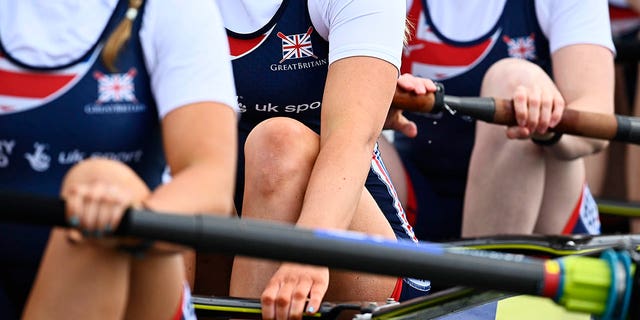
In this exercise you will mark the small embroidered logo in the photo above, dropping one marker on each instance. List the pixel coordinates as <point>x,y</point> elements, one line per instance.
<point>521,47</point>
<point>117,87</point>
<point>297,46</point>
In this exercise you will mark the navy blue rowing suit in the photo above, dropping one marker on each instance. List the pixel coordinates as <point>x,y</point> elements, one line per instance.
<point>280,71</point>
<point>53,117</point>
<point>438,158</point>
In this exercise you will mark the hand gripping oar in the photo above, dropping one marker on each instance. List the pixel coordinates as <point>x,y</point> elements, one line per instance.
<point>601,287</point>
<point>500,111</point>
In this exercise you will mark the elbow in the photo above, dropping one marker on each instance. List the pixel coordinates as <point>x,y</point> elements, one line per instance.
<point>575,150</point>
<point>599,145</point>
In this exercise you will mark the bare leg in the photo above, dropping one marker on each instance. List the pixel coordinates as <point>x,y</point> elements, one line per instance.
<point>505,184</point>
<point>280,154</point>
<point>85,280</point>
<point>395,168</point>
<point>156,286</point>
<point>562,190</point>
<point>596,169</point>
<point>189,258</point>
<point>79,281</point>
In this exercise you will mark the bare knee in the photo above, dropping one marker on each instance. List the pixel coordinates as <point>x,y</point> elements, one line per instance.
<point>504,76</point>
<point>278,150</point>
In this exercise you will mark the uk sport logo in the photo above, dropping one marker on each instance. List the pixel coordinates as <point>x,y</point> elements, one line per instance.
<point>521,47</point>
<point>116,87</point>
<point>297,46</point>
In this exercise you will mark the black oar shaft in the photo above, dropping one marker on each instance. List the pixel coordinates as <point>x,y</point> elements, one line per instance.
<point>22,208</point>
<point>351,251</point>
<point>343,250</point>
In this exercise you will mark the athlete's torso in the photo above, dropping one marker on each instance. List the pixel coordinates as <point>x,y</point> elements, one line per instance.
<point>444,139</point>
<point>51,119</point>
<point>460,65</point>
<point>280,69</point>
<point>624,20</point>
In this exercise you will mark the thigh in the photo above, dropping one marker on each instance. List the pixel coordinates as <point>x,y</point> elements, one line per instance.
<point>350,286</point>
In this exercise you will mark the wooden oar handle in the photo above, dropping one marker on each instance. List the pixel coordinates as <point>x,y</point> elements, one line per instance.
<point>424,103</point>
<point>501,111</point>
<point>580,123</point>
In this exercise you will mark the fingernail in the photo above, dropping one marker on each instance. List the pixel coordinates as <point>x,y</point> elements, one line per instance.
<point>86,233</point>
<point>311,310</point>
<point>107,228</point>
<point>98,233</point>
<point>74,221</point>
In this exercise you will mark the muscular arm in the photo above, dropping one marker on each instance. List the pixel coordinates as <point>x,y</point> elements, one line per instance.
<point>584,75</point>
<point>357,96</point>
<point>200,146</point>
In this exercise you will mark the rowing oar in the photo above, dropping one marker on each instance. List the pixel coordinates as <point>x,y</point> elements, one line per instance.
<point>501,111</point>
<point>601,287</point>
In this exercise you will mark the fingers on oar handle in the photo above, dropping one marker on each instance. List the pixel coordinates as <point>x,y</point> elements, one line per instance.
<point>574,122</point>
<point>431,102</point>
<point>42,210</point>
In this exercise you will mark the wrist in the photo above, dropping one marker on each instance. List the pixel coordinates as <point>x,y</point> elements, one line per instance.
<point>546,140</point>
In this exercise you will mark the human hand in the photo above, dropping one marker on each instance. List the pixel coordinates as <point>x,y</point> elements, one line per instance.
<point>395,119</point>
<point>95,208</point>
<point>287,291</point>
<point>537,108</point>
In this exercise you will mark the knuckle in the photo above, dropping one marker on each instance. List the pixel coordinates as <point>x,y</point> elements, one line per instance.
<point>267,299</point>
<point>299,294</point>
<point>281,302</point>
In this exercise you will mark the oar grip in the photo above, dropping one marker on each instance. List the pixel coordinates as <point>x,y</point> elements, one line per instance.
<point>426,103</point>
<point>588,124</point>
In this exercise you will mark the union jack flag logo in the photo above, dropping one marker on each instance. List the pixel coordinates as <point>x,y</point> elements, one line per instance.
<point>117,87</point>
<point>521,47</point>
<point>296,46</point>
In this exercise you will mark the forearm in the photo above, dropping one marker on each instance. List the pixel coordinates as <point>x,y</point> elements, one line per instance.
<point>336,184</point>
<point>573,147</point>
<point>357,96</point>
<point>584,75</point>
<point>201,150</point>
<point>200,188</point>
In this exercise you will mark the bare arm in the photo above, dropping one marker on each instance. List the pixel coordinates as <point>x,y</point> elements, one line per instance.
<point>202,159</point>
<point>584,74</point>
<point>200,146</point>
<point>357,96</point>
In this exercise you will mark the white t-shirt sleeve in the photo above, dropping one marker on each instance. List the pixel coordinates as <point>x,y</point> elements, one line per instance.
<point>187,54</point>
<point>372,28</point>
<point>569,22</point>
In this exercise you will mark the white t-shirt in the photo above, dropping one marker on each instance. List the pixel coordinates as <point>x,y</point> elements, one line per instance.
<point>184,43</point>
<point>564,22</point>
<point>352,27</point>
